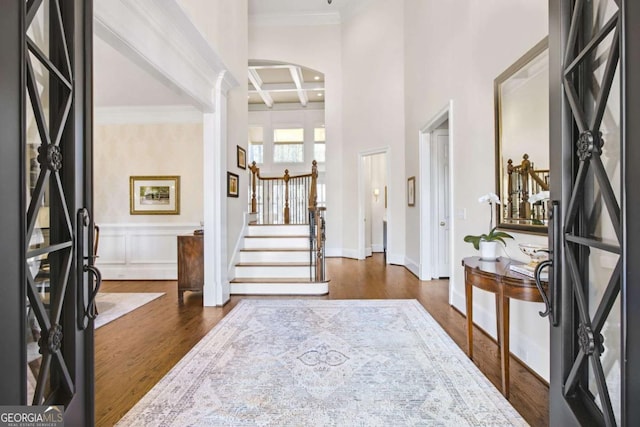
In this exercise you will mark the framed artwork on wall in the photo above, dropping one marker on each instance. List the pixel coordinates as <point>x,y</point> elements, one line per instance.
<point>233,184</point>
<point>411,191</point>
<point>242,158</point>
<point>154,195</point>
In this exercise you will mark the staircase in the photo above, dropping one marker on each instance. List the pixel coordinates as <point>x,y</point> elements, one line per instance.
<point>275,260</point>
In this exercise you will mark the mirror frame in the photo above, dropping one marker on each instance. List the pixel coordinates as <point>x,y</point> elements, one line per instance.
<point>522,62</point>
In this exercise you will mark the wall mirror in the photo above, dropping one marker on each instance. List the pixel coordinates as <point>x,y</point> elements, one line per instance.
<point>521,95</point>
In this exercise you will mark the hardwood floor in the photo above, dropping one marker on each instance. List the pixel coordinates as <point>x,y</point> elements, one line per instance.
<point>134,352</point>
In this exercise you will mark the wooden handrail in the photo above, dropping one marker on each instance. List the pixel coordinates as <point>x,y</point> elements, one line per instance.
<point>521,182</point>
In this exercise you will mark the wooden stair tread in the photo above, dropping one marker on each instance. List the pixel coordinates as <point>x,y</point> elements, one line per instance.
<point>272,264</point>
<point>278,225</point>
<point>273,250</point>
<point>295,236</point>
<point>271,280</point>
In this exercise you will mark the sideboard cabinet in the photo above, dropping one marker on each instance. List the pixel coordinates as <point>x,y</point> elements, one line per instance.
<point>190,264</point>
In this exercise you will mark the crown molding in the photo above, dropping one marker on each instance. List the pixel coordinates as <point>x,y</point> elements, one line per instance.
<point>147,115</point>
<point>294,19</point>
<point>159,36</point>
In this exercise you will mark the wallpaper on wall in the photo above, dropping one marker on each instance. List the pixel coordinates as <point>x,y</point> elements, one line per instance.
<point>123,150</point>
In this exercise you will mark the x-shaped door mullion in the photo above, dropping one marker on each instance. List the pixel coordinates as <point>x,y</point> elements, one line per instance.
<point>602,312</point>
<point>32,9</point>
<point>607,194</point>
<point>607,81</point>
<point>603,390</point>
<point>36,104</point>
<point>608,298</point>
<point>36,201</point>
<point>65,210</point>
<point>576,192</point>
<point>594,354</point>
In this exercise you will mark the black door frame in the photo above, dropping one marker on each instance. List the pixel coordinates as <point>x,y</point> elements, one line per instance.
<point>563,338</point>
<point>12,218</point>
<point>76,176</point>
<point>630,67</point>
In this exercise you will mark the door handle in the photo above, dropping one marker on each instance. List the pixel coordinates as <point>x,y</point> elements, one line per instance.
<point>551,299</point>
<point>91,311</point>
<point>87,290</point>
<point>442,223</point>
<point>545,298</point>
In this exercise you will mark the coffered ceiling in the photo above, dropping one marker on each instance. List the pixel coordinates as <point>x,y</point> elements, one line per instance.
<point>280,85</point>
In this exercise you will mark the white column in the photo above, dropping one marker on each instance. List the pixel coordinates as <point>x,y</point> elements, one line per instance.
<point>216,282</point>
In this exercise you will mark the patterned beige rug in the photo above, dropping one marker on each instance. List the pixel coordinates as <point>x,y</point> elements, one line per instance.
<point>117,304</point>
<point>321,363</point>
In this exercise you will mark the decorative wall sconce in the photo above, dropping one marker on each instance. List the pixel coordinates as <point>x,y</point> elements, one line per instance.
<point>376,193</point>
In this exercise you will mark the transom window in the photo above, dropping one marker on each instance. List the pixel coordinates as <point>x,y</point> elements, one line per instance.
<point>288,145</point>
<point>319,147</point>
<point>256,144</point>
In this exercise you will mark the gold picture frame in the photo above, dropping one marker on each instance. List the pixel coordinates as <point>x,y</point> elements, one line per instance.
<point>241,154</point>
<point>411,191</point>
<point>233,185</point>
<point>154,195</point>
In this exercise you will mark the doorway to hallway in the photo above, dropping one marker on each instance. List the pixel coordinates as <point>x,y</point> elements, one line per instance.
<point>373,223</point>
<point>435,196</point>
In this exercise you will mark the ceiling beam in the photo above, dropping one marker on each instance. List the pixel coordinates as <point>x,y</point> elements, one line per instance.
<point>288,87</point>
<point>296,75</point>
<point>256,81</point>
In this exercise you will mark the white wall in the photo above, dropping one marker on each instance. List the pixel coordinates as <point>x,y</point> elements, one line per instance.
<point>373,111</point>
<point>144,246</point>
<point>224,24</point>
<point>317,47</point>
<point>454,50</point>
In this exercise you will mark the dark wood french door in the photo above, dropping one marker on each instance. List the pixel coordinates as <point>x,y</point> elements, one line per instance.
<point>595,149</point>
<point>48,278</point>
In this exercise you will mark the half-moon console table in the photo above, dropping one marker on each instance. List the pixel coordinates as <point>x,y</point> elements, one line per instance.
<point>496,277</point>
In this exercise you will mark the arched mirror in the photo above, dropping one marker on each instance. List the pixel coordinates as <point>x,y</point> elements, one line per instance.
<point>521,96</point>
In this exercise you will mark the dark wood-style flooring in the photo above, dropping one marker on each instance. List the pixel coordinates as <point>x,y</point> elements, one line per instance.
<point>135,351</point>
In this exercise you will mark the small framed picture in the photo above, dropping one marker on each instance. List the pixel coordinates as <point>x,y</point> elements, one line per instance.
<point>242,158</point>
<point>411,191</point>
<point>154,195</point>
<point>233,183</point>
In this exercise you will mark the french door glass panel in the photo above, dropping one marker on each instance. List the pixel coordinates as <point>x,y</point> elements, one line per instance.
<point>49,228</point>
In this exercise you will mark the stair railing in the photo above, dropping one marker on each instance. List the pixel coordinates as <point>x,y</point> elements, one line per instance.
<point>317,237</point>
<point>292,200</point>
<point>283,199</point>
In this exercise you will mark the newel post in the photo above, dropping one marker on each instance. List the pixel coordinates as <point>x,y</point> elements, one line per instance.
<point>254,171</point>
<point>286,196</point>
<point>313,193</point>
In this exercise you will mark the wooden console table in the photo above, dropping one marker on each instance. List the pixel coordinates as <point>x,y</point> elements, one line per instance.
<point>190,264</point>
<point>496,277</point>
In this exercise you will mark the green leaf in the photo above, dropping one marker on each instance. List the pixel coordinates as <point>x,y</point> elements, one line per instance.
<point>474,240</point>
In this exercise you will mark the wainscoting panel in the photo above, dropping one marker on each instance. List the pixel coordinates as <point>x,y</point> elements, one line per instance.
<point>140,251</point>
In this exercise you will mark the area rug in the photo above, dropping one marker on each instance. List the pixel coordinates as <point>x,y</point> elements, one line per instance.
<point>325,363</point>
<point>113,305</point>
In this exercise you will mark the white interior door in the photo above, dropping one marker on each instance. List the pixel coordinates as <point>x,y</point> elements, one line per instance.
<point>441,203</point>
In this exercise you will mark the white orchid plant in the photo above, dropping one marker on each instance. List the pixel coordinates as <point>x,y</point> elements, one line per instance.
<point>494,235</point>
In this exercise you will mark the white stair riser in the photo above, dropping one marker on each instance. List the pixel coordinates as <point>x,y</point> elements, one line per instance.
<point>274,256</point>
<point>272,272</point>
<point>278,230</point>
<point>276,243</point>
<point>280,288</point>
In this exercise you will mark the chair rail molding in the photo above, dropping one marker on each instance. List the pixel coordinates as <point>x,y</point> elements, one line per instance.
<point>159,36</point>
<point>140,251</point>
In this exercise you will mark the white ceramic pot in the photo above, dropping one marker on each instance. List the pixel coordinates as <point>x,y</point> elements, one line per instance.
<point>489,250</point>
